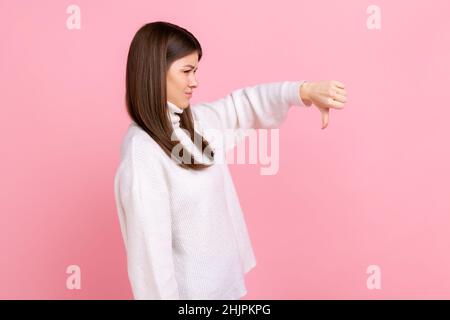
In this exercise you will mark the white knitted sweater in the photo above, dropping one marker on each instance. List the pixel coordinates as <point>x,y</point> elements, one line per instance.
<point>183,230</point>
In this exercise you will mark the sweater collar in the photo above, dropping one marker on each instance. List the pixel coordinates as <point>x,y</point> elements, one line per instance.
<point>174,114</point>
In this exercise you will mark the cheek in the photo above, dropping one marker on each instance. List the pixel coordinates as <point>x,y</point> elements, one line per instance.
<point>179,82</point>
<point>176,81</point>
<point>184,82</point>
<point>186,79</point>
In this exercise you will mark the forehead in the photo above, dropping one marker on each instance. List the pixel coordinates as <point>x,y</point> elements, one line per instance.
<point>191,59</point>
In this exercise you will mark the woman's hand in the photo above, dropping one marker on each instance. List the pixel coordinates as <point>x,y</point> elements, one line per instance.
<point>324,95</point>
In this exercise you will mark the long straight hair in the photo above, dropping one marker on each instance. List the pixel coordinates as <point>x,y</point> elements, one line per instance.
<point>153,49</point>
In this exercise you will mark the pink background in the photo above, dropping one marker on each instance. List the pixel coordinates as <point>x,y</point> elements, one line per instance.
<point>372,188</point>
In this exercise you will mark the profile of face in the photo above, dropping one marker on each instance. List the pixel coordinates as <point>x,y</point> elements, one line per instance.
<point>181,80</point>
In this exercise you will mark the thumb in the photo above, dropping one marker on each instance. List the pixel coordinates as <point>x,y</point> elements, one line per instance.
<point>325,116</point>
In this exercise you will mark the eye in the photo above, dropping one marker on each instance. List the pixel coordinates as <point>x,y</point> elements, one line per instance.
<point>190,71</point>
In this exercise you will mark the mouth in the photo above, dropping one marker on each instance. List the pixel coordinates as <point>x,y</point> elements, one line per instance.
<point>188,94</point>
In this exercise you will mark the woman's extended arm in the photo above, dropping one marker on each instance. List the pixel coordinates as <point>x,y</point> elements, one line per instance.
<point>254,107</point>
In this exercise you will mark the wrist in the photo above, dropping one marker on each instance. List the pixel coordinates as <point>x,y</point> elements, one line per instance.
<point>304,93</point>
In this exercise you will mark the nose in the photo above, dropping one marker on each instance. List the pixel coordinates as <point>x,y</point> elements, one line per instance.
<point>193,83</point>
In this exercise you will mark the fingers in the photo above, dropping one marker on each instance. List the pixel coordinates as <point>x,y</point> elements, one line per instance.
<point>337,101</point>
<point>341,91</point>
<point>340,98</point>
<point>338,84</point>
<point>336,104</point>
<point>333,103</point>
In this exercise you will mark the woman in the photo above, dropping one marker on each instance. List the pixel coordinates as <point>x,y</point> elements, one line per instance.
<point>182,225</point>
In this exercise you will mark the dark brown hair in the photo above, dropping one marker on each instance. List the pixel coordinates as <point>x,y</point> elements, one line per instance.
<point>153,49</point>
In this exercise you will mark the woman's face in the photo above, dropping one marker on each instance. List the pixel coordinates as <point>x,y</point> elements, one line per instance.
<point>181,80</point>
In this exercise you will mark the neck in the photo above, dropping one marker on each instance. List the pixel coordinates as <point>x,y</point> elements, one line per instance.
<point>174,108</point>
<point>174,114</point>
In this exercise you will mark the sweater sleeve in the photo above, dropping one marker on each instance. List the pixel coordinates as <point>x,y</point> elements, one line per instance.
<point>254,107</point>
<point>145,201</point>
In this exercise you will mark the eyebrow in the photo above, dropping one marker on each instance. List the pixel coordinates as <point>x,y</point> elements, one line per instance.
<point>189,65</point>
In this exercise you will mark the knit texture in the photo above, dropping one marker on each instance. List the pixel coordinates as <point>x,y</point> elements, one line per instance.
<point>184,231</point>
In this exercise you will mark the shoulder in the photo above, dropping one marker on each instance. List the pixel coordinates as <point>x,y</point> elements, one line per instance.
<point>143,162</point>
<point>139,146</point>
